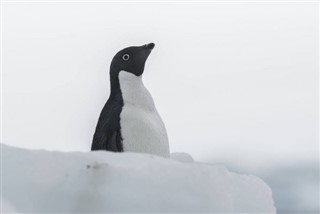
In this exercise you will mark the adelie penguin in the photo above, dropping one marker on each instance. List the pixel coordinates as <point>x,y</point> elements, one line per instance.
<point>129,120</point>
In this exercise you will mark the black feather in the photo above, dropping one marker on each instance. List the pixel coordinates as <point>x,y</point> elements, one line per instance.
<point>108,131</point>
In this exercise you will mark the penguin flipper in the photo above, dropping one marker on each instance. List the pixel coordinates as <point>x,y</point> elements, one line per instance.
<point>115,142</point>
<point>107,135</point>
<point>112,143</point>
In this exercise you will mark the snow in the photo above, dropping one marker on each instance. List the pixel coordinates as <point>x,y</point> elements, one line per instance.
<point>181,156</point>
<point>6,206</point>
<point>43,181</point>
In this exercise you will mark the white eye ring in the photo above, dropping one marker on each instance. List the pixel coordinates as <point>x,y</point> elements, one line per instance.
<point>126,57</point>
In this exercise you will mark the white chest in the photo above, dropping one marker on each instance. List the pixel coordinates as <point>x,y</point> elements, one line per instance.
<point>142,128</point>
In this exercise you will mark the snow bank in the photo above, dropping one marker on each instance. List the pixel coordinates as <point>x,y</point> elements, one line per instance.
<point>42,181</point>
<point>6,207</point>
<point>182,157</point>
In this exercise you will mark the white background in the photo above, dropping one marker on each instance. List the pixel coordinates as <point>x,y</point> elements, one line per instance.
<point>234,82</point>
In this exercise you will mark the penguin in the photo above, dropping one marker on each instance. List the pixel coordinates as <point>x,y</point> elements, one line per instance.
<point>129,121</point>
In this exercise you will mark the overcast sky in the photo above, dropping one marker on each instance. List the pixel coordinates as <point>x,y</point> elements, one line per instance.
<point>232,81</point>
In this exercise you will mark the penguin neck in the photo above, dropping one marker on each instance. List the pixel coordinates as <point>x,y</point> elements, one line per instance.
<point>134,92</point>
<point>115,91</point>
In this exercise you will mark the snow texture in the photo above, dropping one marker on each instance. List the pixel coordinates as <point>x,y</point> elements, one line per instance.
<point>181,156</point>
<point>6,207</point>
<point>42,181</point>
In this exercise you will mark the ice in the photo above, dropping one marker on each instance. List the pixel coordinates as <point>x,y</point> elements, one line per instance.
<point>181,156</point>
<point>43,181</point>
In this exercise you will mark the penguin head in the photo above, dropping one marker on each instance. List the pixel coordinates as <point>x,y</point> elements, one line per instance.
<point>131,59</point>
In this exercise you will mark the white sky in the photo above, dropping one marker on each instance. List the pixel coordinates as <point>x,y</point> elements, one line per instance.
<point>232,81</point>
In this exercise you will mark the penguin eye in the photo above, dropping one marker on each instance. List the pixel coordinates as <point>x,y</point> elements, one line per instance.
<point>126,57</point>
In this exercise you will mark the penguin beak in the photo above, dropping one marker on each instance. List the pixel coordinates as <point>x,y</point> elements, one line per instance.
<point>150,46</point>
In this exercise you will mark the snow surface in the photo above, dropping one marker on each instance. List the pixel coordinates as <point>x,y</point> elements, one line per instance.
<point>181,156</point>
<point>43,181</point>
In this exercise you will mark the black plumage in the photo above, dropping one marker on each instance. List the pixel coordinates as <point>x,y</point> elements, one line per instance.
<point>108,131</point>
